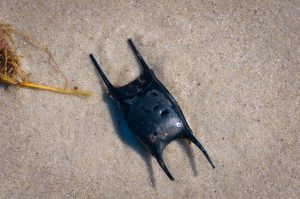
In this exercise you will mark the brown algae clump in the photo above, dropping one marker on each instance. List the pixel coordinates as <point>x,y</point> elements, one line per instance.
<point>11,72</point>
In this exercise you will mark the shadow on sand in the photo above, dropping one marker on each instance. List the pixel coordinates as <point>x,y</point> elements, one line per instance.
<point>129,139</point>
<point>127,136</point>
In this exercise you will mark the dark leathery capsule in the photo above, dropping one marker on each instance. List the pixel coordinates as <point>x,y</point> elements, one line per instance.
<point>150,111</point>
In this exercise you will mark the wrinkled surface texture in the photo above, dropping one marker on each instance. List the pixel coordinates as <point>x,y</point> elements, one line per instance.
<point>233,67</point>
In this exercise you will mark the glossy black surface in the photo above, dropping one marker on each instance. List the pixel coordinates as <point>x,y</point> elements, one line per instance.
<point>150,111</point>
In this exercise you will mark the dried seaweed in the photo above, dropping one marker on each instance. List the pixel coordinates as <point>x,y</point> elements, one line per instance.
<point>11,72</point>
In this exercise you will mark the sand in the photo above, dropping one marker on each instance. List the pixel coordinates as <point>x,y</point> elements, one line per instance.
<point>233,66</point>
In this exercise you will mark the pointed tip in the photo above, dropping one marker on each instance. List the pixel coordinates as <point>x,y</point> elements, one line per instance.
<point>167,172</point>
<point>162,164</point>
<point>138,56</point>
<point>94,60</point>
<point>110,87</point>
<point>193,139</point>
<point>131,44</point>
<point>210,162</point>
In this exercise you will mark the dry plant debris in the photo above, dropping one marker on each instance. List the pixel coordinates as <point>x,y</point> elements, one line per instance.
<point>11,72</point>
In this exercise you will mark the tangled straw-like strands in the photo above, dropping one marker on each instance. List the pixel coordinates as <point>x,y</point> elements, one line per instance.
<point>11,72</point>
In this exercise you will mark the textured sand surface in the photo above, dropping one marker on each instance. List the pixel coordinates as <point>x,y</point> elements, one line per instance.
<point>233,66</point>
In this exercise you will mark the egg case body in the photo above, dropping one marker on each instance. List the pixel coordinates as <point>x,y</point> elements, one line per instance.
<point>150,111</point>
